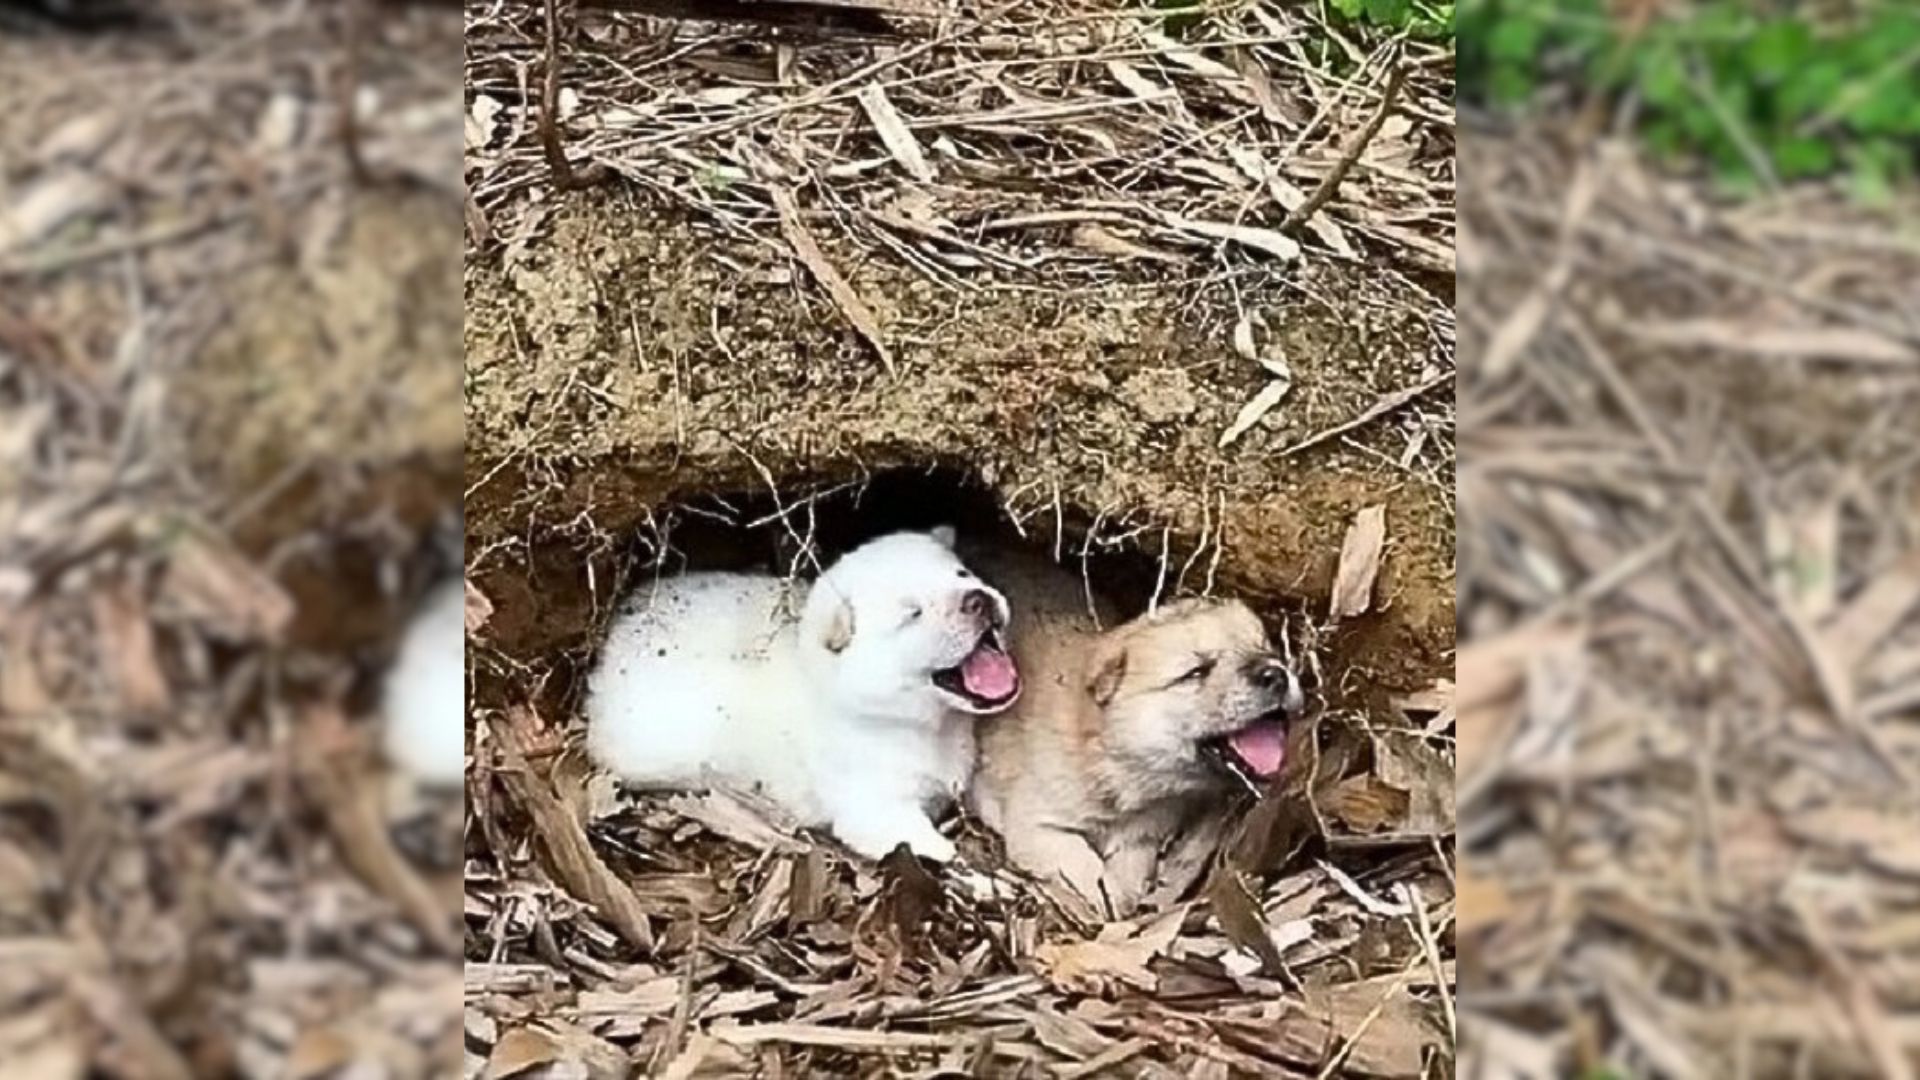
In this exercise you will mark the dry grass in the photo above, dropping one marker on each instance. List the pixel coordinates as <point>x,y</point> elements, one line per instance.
<point>1691,584</point>
<point>1008,138</point>
<point>1049,149</point>
<point>197,875</point>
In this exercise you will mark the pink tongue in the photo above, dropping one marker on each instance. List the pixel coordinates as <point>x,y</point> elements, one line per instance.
<point>1262,746</point>
<point>989,674</point>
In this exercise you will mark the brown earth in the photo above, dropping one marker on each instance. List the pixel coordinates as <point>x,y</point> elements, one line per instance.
<point>633,357</point>
<point>320,402</point>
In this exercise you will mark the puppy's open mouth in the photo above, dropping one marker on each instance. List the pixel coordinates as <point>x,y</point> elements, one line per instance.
<point>986,680</point>
<point>1255,753</point>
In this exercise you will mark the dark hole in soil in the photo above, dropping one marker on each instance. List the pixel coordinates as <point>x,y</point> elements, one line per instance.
<point>753,530</point>
<point>747,530</point>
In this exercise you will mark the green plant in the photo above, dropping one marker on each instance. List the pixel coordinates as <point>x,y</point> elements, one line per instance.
<point>1415,18</point>
<point>1757,91</point>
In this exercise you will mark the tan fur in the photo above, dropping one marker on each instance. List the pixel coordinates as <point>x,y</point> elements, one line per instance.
<point>1096,769</point>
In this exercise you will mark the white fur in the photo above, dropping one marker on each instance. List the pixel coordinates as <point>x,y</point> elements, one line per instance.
<point>425,696</point>
<point>734,678</point>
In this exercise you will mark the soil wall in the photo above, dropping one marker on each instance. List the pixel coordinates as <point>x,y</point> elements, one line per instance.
<point>633,359</point>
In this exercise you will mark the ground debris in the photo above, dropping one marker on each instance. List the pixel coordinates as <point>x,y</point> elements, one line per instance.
<point>200,873</point>
<point>1048,222</point>
<point>1688,576</point>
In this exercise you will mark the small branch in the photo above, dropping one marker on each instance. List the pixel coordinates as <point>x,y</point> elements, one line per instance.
<point>346,87</point>
<point>565,177</point>
<point>1330,183</point>
<point>1391,403</point>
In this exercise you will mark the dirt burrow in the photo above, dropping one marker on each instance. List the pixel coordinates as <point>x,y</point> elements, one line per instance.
<point>320,405</point>
<point>634,372</point>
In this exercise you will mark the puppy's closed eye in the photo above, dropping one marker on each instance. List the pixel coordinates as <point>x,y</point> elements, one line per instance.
<point>1200,670</point>
<point>912,614</point>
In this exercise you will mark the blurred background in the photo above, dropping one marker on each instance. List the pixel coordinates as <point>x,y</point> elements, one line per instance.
<point>230,443</point>
<point>1689,684</point>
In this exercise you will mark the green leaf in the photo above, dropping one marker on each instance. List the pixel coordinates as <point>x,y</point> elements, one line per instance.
<point>1799,157</point>
<point>1515,39</point>
<point>1511,84</point>
<point>1875,170</point>
<point>1663,77</point>
<point>1886,109</point>
<point>1811,88</point>
<point>1665,139</point>
<point>1390,13</point>
<point>1778,48</point>
<point>1737,180</point>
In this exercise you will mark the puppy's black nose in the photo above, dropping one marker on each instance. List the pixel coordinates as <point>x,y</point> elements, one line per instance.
<point>1270,673</point>
<point>977,603</point>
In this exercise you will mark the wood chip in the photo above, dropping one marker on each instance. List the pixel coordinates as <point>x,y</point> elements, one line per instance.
<point>575,864</point>
<point>348,797</point>
<point>1360,554</point>
<point>213,585</point>
<point>1267,241</point>
<point>35,214</point>
<point>1832,343</point>
<point>1262,403</point>
<point>1480,901</point>
<point>129,650</point>
<point>521,1050</point>
<point>1374,1029</point>
<point>1119,954</point>
<point>894,133</point>
<point>478,609</point>
<point>317,1053</point>
<point>1872,616</point>
<point>753,822</point>
<point>21,691</point>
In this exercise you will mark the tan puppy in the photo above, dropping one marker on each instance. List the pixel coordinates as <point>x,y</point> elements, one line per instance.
<point>1126,739</point>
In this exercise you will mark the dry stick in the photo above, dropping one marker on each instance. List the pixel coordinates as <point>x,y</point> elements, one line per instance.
<point>1720,266</point>
<point>349,805</point>
<point>55,261</point>
<point>1330,183</point>
<point>1378,409</point>
<point>831,91</point>
<point>573,861</point>
<point>565,177</point>
<point>346,86</point>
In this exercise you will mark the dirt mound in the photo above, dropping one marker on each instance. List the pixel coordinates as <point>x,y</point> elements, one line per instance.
<point>1093,417</point>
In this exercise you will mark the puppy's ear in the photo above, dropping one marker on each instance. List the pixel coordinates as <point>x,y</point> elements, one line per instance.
<point>1103,676</point>
<point>943,535</point>
<point>839,631</point>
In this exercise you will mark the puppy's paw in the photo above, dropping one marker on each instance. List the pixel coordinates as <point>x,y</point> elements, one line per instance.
<point>874,834</point>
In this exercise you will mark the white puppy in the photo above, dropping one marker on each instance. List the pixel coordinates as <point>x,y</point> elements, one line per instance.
<point>857,714</point>
<point>425,697</point>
